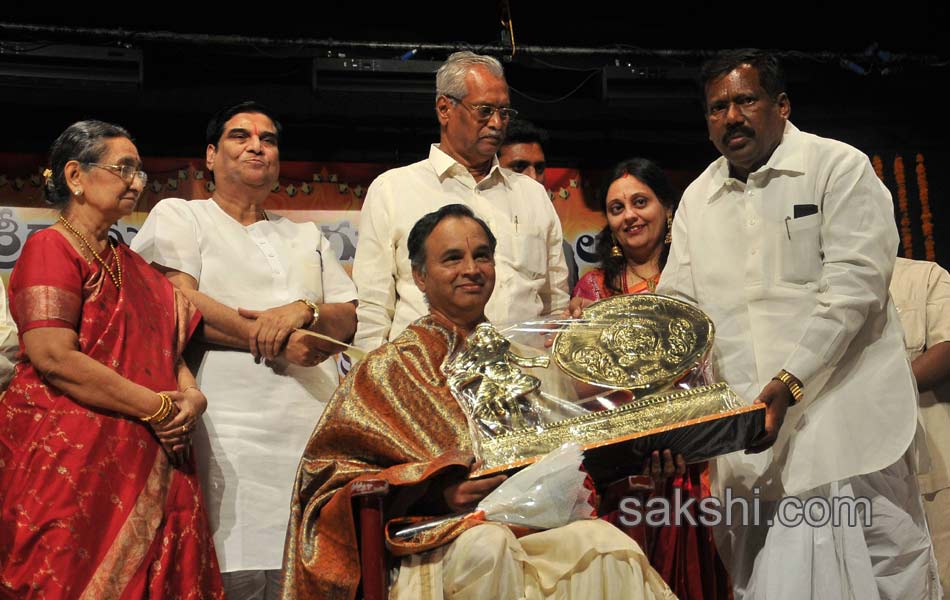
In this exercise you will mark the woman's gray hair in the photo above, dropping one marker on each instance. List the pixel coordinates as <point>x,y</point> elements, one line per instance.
<point>83,141</point>
<point>450,78</point>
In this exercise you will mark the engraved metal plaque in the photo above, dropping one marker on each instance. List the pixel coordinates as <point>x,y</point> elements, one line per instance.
<point>641,342</point>
<point>700,423</point>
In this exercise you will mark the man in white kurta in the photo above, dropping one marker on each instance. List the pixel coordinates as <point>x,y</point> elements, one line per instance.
<point>787,241</point>
<point>921,292</point>
<point>462,169</point>
<point>228,254</point>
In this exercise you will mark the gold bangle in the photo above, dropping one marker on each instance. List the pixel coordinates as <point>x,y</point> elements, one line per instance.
<point>168,407</point>
<point>793,385</point>
<point>162,413</point>
<point>313,306</point>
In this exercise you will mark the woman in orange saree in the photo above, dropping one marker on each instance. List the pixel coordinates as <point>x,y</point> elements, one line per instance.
<point>98,492</point>
<point>633,246</point>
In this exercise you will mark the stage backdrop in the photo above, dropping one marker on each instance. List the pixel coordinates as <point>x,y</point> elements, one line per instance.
<point>331,195</point>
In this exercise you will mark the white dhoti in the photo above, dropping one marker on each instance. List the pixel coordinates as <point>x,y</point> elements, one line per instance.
<point>886,557</point>
<point>585,560</point>
<point>937,507</point>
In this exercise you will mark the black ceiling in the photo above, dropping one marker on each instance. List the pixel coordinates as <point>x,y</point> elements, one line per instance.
<point>607,79</point>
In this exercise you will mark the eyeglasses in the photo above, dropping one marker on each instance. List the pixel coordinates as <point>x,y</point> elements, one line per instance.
<point>484,112</point>
<point>125,172</point>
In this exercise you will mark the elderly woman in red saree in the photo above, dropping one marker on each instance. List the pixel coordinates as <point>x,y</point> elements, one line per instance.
<point>639,203</point>
<point>98,492</point>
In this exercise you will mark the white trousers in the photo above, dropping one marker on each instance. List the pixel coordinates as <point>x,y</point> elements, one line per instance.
<point>888,558</point>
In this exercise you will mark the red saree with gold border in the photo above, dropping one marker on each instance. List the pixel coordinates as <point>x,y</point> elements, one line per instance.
<point>90,506</point>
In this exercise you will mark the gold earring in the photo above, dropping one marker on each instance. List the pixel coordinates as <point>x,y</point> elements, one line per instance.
<point>77,192</point>
<point>616,251</point>
<point>669,230</point>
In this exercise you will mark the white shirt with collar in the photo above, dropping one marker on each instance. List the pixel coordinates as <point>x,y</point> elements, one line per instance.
<point>808,294</point>
<point>531,276</point>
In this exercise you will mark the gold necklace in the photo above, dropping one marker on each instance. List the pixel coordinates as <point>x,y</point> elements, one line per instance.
<point>115,276</point>
<point>650,281</point>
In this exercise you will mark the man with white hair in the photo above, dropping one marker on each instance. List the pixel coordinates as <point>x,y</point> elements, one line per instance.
<point>473,110</point>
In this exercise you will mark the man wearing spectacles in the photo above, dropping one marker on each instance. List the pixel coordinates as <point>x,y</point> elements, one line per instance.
<point>473,109</point>
<point>523,152</point>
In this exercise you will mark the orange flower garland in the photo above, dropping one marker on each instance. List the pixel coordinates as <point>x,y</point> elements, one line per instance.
<point>907,239</point>
<point>878,166</point>
<point>926,217</point>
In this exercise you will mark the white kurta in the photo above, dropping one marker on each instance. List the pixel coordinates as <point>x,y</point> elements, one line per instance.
<point>808,293</point>
<point>258,421</point>
<point>531,275</point>
<point>921,291</point>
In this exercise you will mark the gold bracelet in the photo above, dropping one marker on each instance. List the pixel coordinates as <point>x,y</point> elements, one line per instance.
<point>167,400</point>
<point>793,385</point>
<point>162,413</point>
<point>313,306</point>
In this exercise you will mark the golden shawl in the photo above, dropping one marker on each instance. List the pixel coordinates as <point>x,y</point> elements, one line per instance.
<point>393,418</point>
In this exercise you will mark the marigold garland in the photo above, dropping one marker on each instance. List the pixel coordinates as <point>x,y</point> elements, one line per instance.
<point>878,166</point>
<point>926,217</point>
<point>907,239</point>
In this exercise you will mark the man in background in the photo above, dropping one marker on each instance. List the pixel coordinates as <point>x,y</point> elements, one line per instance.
<point>523,152</point>
<point>921,292</point>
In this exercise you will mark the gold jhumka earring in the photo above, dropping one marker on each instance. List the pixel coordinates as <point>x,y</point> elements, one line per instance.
<point>615,250</point>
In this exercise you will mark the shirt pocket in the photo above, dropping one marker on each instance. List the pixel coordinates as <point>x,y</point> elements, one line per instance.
<point>529,250</point>
<point>309,277</point>
<point>799,255</point>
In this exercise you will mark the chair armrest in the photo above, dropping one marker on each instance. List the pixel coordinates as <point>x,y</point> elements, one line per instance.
<point>369,495</point>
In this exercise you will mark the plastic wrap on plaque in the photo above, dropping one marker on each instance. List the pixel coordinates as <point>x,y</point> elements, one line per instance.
<point>700,423</point>
<point>626,379</point>
<point>641,342</point>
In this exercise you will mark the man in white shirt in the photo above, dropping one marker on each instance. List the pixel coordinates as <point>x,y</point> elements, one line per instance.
<point>259,281</point>
<point>788,241</point>
<point>473,110</point>
<point>523,152</point>
<point>921,292</point>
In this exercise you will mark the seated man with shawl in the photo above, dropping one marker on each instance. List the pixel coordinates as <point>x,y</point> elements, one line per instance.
<point>394,418</point>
